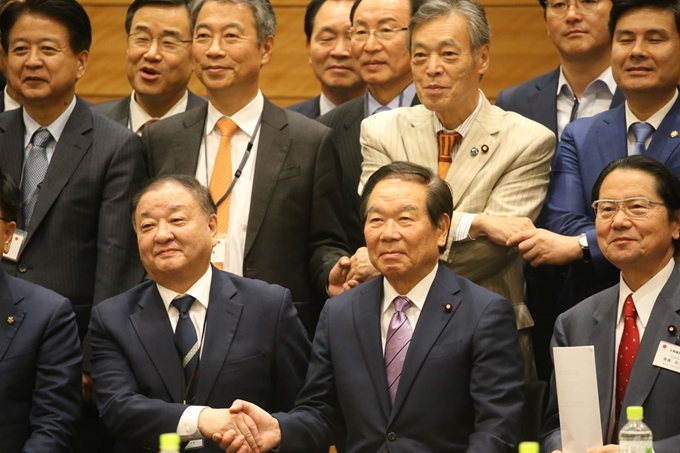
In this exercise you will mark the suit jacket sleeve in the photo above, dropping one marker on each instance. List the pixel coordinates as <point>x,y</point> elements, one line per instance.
<point>55,406</point>
<point>568,210</point>
<point>118,264</point>
<point>551,438</point>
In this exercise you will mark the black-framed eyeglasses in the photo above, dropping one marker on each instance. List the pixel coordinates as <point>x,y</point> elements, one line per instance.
<point>142,41</point>
<point>634,207</point>
<point>560,7</point>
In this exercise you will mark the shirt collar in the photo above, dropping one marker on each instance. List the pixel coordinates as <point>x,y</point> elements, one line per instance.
<point>325,104</point>
<point>246,118</point>
<point>464,127</point>
<point>646,295</point>
<point>56,128</point>
<point>139,116</point>
<point>606,78</point>
<point>10,104</point>
<point>417,295</point>
<point>199,291</point>
<point>403,99</point>
<point>656,119</point>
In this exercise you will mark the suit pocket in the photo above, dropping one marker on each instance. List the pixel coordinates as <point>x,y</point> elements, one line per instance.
<point>290,172</point>
<point>18,362</point>
<point>440,351</point>
<point>244,364</point>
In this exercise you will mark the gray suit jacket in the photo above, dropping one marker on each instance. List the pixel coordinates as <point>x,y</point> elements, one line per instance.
<point>119,109</point>
<point>294,234</point>
<point>593,322</point>
<point>80,241</point>
<point>309,108</point>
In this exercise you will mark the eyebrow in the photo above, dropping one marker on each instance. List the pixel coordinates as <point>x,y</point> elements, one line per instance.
<point>144,28</point>
<point>380,22</point>
<point>402,208</point>
<point>223,27</point>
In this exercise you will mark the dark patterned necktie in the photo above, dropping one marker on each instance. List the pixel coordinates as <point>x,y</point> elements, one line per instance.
<point>35,169</point>
<point>399,336</point>
<point>186,342</point>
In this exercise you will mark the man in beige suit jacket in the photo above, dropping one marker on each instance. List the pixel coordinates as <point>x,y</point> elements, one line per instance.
<point>499,170</point>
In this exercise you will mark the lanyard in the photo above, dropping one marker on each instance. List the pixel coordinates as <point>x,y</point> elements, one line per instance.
<point>238,172</point>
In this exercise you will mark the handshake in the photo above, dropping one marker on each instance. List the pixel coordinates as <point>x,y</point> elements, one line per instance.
<point>348,272</point>
<point>243,428</point>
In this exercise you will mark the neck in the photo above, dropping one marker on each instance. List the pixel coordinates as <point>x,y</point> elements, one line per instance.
<point>581,72</point>
<point>340,96</point>
<point>46,112</point>
<point>453,118</point>
<point>644,105</point>
<point>636,277</point>
<point>228,103</point>
<point>385,93</point>
<point>157,106</point>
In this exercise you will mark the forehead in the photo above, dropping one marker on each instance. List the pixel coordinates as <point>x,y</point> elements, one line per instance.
<point>645,19</point>
<point>217,13</point>
<point>394,192</point>
<point>621,184</point>
<point>38,26</point>
<point>450,27</point>
<point>332,11</point>
<point>175,16</point>
<point>167,194</point>
<point>373,11</point>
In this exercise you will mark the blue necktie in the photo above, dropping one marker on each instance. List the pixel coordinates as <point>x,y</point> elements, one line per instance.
<point>641,131</point>
<point>35,169</point>
<point>186,342</point>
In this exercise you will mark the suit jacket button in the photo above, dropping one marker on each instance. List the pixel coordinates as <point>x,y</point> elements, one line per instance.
<point>391,436</point>
<point>22,268</point>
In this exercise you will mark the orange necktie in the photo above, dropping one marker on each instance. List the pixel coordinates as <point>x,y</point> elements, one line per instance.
<point>447,140</point>
<point>220,180</point>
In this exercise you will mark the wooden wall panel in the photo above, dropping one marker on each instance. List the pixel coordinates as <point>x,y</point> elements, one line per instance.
<point>520,50</point>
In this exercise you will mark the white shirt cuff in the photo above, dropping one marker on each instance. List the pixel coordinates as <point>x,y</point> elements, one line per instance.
<point>187,428</point>
<point>463,230</point>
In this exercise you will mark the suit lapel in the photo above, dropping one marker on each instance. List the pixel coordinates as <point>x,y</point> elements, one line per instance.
<point>602,336</point>
<point>185,155</point>
<point>272,150</point>
<point>8,311</point>
<point>153,328</point>
<point>222,320</point>
<point>12,143</point>
<point>665,140</point>
<point>666,312</point>
<point>121,111</point>
<point>74,143</point>
<point>420,135</point>
<point>433,319</point>
<point>194,101</point>
<point>544,101</point>
<point>366,311</point>
<point>618,98</point>
<point>612,136</point>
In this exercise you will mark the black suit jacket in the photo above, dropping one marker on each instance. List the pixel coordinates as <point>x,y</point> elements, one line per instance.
<point>119,109</point>
<point>294,235</point>
<point>309,108</point>
<point>461,388</point>
<point>255,348</point>
<point>80,241</point>
<point>40,383</point>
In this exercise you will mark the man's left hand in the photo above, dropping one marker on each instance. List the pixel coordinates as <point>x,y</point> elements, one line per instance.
<point>541,247</point>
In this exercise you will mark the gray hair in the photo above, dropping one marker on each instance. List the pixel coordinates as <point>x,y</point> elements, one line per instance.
<point>265,19</point>
<point>479,28</point>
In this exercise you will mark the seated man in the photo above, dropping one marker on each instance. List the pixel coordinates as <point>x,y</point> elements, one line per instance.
<point>637,211</point>
<point>418,360</point>
<point>243,335</point>
<point>39,355</point>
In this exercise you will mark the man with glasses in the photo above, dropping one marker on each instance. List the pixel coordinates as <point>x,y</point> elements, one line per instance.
<point>646,66</point>
<point>158,64</point>
<point>633,326</point>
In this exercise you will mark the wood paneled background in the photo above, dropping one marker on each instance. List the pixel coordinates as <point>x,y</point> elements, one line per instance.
<point>520,49</point>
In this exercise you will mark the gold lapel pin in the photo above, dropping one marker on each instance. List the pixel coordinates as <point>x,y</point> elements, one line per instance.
<point>10,320</point>
<point>485,149</point>
<point>674,134</point>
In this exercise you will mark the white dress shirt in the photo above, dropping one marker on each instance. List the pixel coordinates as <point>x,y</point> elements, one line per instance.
<point>56,129</point>
<point>10,104</point>
<point>403,99</point>
<point>139,117</point>
<point>655,120</point>
<point>325,104</point>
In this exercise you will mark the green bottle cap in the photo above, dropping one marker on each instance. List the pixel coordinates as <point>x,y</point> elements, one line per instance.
<point>634,412</point>
<point>169,442</point>
<point>529,447</point>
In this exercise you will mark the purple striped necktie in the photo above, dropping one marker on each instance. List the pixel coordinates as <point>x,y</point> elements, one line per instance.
<point>398,338</point>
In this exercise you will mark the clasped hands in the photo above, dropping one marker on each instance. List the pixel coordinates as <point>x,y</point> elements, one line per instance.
<point>348,272</point>
<point>243,428</point>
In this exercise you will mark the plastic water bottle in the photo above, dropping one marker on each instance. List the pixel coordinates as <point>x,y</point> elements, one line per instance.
<point>169,443</point>
<point>529,447</point>
<point>635,436</point>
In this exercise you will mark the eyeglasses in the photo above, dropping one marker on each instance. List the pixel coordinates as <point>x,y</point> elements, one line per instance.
<point>384,34</point>
<point>560,7</point>
<point>142,41</point>
<point>634,207</point>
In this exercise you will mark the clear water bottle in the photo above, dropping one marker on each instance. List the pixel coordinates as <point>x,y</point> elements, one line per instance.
<point>169,443</point>
<point>529,447</point>
<point>635,436</point>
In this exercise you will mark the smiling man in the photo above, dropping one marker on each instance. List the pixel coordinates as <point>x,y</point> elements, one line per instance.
<point>158,64</point>
<point>496,162</point>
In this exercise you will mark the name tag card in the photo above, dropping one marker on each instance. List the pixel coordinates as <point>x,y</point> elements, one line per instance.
<point>15,245</point>
<point>667,356</point>
<point>219,252</point>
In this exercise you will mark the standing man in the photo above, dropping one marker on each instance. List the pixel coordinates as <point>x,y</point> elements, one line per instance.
<point>647,71</point>
<point>170,354</point>
<point>583,84</point>
<point>496,162</point>
<point>378,36</point>
<point>637,209</point>
<point>327,28</point>
<point>158,64</point>
<point>272,172</point>
<point>39,355</point>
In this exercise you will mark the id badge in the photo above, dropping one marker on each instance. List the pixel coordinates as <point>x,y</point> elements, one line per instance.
<point>219,252</point>
<point>16,244</point>
<point>667,356</point>
<point>194,445</point>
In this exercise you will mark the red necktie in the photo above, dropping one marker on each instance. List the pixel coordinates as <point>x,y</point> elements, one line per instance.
<point>630,341</point>
<point>447,140</point>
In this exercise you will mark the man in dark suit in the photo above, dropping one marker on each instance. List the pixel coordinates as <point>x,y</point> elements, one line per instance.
<point>327,26</point>
<point>39,355</point>
<point>280,214</point>
<point>638,228</point>
<point>385,66</point>
<point>647,123</point>
<point>410,361</point>
<point>158,64</point>
<point>247,341</point>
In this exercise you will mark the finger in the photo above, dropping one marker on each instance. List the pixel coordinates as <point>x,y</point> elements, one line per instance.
<point>248,429</point>
<point>236,407</point>
<point>235,445</point>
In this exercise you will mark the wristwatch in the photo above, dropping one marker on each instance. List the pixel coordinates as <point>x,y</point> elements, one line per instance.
<point>583,242</point>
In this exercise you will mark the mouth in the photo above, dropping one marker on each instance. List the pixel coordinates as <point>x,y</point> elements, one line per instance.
<point>575,32</point>
<point>213,69</point>
<point>639,70</point>
<point>620,240</point>
<point>339,68</point>
<point>164,253</point>
<point>373,64</point>
<point>33,80</point>
<point>149,73</point>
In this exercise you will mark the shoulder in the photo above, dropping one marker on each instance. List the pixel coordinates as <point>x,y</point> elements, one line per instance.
<point>585,126</point>
<point>399,117</point>
<point>349,111</point>
<point>106,107</point>
<point>309,108</point>
<point>35,298</point>
<point>510,97</point>
<point>576,315</point>
<point>125,303</point>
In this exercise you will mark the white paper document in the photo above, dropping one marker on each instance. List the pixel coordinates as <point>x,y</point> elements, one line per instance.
<point>577,398</point>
